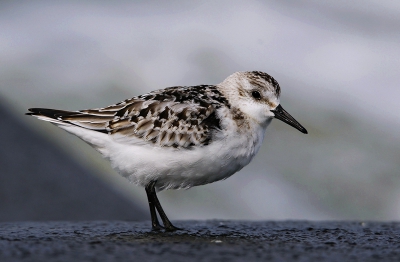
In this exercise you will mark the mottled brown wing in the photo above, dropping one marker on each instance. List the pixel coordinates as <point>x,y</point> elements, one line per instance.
<point>166,122</point>
<point>175,116</point>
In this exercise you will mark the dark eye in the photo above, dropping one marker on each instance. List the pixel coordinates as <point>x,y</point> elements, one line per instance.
<point>256,95</point>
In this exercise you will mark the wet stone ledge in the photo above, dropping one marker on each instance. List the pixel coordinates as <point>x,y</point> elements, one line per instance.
<point>200,241</point>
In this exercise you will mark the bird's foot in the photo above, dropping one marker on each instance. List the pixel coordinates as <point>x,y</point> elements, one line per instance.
<point>157,227</point>
<point>171,228</point>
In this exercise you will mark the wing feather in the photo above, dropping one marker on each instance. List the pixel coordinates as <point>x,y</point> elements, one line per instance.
<point>179,117</point>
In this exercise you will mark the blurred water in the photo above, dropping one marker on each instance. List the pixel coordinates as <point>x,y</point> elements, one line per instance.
<point>337,63</point>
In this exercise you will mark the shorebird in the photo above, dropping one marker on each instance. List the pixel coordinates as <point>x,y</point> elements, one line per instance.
<point>181,136</point>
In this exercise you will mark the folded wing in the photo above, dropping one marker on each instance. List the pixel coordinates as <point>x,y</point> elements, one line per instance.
<point>179,117</point>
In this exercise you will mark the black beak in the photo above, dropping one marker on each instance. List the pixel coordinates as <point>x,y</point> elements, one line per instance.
<point>284,116</point>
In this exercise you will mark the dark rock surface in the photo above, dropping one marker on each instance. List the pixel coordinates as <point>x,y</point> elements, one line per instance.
<point>200,241</point>
<point>38,181</point>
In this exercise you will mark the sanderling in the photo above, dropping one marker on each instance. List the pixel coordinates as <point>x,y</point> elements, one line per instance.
<point>180,137</point>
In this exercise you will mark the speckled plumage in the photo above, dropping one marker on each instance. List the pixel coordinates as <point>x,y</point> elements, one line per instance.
<point>180,117</point>
<point>180,137</point>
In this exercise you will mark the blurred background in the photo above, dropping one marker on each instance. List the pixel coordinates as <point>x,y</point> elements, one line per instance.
<point>337,62</point>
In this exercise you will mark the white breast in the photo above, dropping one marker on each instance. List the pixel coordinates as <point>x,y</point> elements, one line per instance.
<point>184,168</point>
<point>179,168</point>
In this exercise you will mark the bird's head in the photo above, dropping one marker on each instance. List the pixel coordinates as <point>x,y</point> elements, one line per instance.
<point>257,95</point>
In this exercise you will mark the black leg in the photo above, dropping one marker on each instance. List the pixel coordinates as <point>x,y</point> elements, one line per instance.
<point>155,204</point>
<point>150,197</point>
<point>167,224</point>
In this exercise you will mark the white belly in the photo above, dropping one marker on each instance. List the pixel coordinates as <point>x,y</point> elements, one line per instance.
<point>183,168</point>
<point>177,168</point>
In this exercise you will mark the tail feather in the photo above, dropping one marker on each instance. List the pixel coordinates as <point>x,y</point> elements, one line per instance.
<point>51,113</point>
<point>77,118</point>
